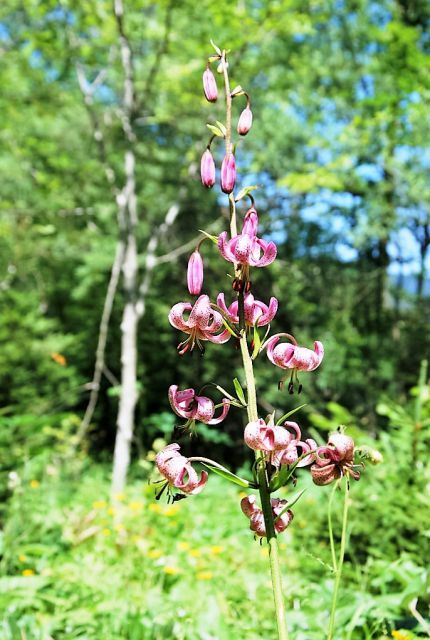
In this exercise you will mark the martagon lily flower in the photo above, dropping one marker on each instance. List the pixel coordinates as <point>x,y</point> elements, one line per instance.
<point>178,471</point>
<point>256,516</point>
<point>284,447</point>
<point>187,404</point>
<point>256,313</point>
<point>289,355</point>
<point>246,249</point>
<point>335,460</point>
<point>203,323</point>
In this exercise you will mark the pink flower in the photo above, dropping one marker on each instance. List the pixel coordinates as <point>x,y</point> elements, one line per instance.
<point>246,249</point>
<point>284,447</point>
<point>195,273</point>
<point>260,436</point>
<point>187,404</point>
<point>255,514</point>
<point>335,460</point>
<point>209,86</point>
<point>178,472</point>
<point>228,173</point>
<point>207,169</point>
<point>291,356</point>
<point>245,122</point>
<point>256,312</point>
<point>203,324</point>
<point>295,448</point>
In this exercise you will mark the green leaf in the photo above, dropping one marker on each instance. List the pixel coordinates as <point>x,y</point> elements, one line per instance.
<point>239,391</point>
<point>221,127</point>
<point>208,235</point>
<point>290,413</point>
<point>217,49</point>
<point>228,475</point>
<point>215,130</point>
<point>245,191</point>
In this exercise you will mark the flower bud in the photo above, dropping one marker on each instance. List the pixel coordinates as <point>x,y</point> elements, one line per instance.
<point>209,86</point>
<point>228,173</point>
<point>207,169</point>
<point>245,122</point>
<point>195,273</point>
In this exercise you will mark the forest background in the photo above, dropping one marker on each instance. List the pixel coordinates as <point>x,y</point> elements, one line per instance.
<point>101,138</point>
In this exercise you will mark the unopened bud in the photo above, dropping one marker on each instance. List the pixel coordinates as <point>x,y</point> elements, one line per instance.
<point>245,122</point>
<point>209,86</point>
<point>228,173</point>
<point>195,273</point>
<point>207,169</point>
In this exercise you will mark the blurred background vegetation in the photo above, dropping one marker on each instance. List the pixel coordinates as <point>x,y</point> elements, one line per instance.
<point>340,93</point>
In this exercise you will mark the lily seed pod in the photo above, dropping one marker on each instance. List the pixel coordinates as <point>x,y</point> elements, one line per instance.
<point>209,86</point>
<point>245,122</point>
<point>228,173</point>
<point>195,273</point>
<point>207,169</point>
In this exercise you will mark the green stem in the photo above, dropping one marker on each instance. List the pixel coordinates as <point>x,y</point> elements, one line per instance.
<point>330,529</point>
<point>340,561</point>
<point>263,481</point>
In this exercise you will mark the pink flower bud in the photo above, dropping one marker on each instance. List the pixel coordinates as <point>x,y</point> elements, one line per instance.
<point>195,273</point>
<point>245,122</point>
<point>209,86</point>
<point>228,173</point>
<point>207,169</point>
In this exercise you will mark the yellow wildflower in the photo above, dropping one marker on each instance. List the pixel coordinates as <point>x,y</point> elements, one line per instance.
<point>155,507</point>
<point>171,571</point>
<point>106,532</point>
<point>195,553</point>
<point>111,511</point>
<point>170,511</point>
<point>154,554</point>
<point>204,575</point>
<point>135,506</point>
<point>99,504</point>
<point>34,484</point>
<point>183,546</point>
<point>400,635</point>
<point>216,549</point>
<point>119,497</point>
<point>28,572</point>
<point>22,558</point>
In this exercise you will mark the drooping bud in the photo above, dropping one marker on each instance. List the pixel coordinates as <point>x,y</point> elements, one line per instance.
<point>245,122</point>
<point>207,169</point>
<point>195,273</point>
<point>209,86</point>
<point>228,173</point>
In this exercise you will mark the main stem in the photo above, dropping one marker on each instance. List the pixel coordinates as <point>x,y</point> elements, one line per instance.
<point>263,481</point>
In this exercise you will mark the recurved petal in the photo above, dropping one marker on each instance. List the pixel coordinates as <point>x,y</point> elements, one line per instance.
<point>205,409</point>
<point>343,446</point>
<point>180,401</point>
<point>221,338</point>
<point>224,412</point>
<point>231,311</point>
<point>269,253</point>
<point>259,437</point>
<point>176,316</point>
<point>249,505</point>
<point>281,354</point>
<point>201,313</point>
<point>163,456</point>
<point>324,475</point>
<point>224,247</point>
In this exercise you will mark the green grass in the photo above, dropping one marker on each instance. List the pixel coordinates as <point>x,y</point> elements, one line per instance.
<point>73,567</point>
